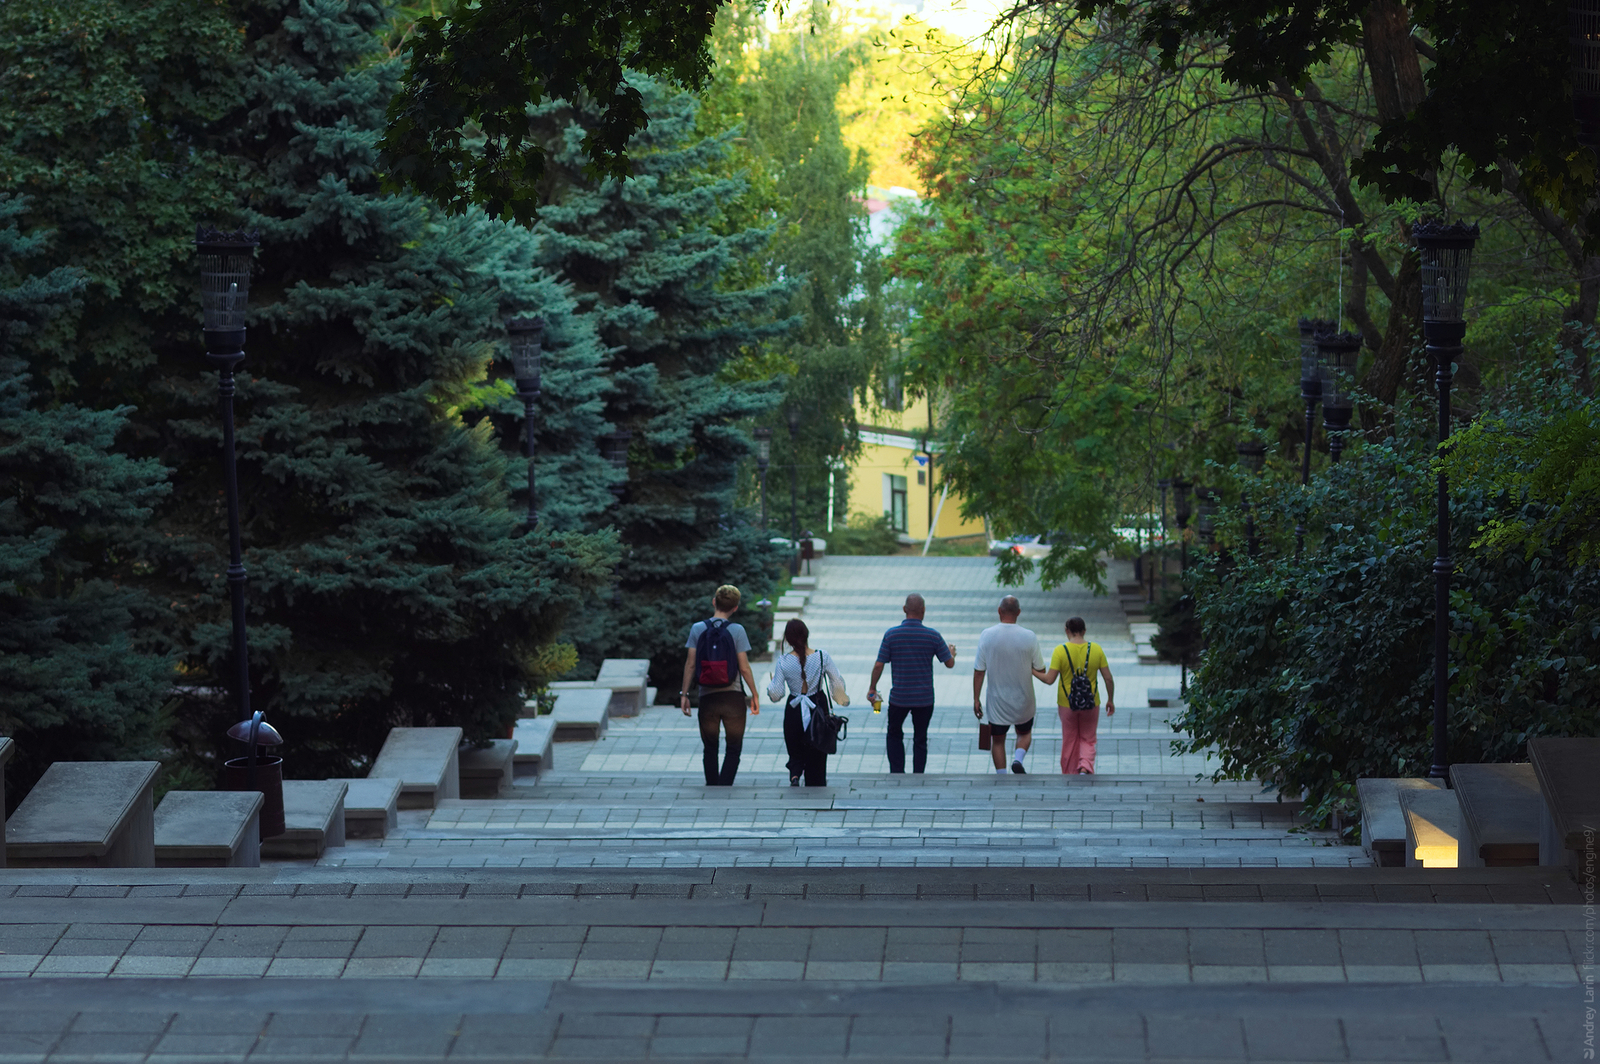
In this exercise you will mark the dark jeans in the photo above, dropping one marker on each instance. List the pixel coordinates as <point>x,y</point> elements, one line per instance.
<point>726,708</point>
<point>804,759</point>
<point>896,740</point>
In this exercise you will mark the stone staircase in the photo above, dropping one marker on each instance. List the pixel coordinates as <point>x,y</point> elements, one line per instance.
<point>577,819</point>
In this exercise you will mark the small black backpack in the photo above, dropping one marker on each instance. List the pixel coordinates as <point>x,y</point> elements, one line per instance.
<point>1080,696</point>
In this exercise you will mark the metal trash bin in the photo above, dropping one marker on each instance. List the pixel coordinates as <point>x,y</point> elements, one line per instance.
<point>255,772</point>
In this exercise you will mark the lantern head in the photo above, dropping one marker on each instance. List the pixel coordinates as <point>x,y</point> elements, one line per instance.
<point>225,260</point>
<point>1446,255</point>
<point>763,437</point>
<point>1252,454</point>
<point>526,337</point>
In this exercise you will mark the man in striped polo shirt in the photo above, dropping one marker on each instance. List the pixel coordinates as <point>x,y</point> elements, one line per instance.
<point>910,647</point>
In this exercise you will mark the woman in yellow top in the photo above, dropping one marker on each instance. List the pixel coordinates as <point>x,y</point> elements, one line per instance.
<point>1078,657</point>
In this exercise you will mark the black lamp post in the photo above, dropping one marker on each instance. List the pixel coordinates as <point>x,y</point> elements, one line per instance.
<point>1583,34</point>
<point>1253,456</point>
<point>792,415</point>
<point>526,336</point>
<point>763,459</point>
<point>224,295</point>
<point>1161,525</point>
<point>1337,352</point>
<point>1180,489</point>
<point>1311,393</point>
<point>1446,254</point>
<point>1206,515</point>
<point>614,448</point>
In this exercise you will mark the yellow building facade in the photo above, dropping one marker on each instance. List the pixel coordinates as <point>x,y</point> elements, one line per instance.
<point>896,474</point>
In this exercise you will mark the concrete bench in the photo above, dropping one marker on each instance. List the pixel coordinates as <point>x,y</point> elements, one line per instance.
<point>1163,697</point>
<point>581,715</point>
<point>626,679</point>
<point>536,738</point>
<point>87,814</point>
<point>1499,815</point>
<point>313,811</point>
<point>793,602</point>
<point>7,749</point>
<point>486,772</point>
<point>424,760</point>
<point>803,583</point>
<point>371,807</point>
<point>1433,827</point>
<point>1568,771</point>
<point>209,829</point>
<point>1383,828</point>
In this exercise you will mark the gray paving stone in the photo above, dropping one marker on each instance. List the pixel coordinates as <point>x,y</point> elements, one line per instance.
<point>1389,947</point>
<point>1301,947</point>
<point>1454,947</point>
<point>788,1036</point>
<point>395,942</point>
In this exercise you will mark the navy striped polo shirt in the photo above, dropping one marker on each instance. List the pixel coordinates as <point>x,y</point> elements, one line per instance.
<point>909,649</point>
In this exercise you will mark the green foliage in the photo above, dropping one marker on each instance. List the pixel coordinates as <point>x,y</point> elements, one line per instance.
<point>779,89</point>
<point>662,266</point>
<point>1544,457</point>
<point>864,534</point>
<point>75,683</point>
<point>1318,670</point>
<point>104,111</point>
<point>458,126</point>
<point>1499,89</point>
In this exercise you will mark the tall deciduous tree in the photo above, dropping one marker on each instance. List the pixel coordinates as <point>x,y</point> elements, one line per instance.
<point>780,88</point>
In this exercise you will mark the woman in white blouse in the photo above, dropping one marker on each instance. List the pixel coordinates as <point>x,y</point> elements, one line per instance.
<point>801,672</point>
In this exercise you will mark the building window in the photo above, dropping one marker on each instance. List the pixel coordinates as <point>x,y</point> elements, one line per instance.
<point>894,396</point>
<point>922,477</point>
<point>894,501</point>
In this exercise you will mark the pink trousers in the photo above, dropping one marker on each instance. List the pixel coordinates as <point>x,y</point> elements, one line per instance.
<point>1077,738</point>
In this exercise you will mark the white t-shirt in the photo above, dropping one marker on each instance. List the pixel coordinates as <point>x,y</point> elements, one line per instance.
<point>1008,653</point>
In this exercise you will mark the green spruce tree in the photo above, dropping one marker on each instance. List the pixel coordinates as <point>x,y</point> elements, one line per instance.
<point>666,269</point>
<point>391,582</point>
<point>74,682</point>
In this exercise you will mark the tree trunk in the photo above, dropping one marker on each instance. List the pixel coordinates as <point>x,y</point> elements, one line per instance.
<point>1405,326</point>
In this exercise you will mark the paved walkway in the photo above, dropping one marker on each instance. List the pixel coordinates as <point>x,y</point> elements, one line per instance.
<point>619,910</point>
<point>856,600</point>
<point>800,965</point>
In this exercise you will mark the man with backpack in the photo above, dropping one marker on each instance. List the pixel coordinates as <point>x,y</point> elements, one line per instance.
<point>718,663</point>
<point>1076,663</point>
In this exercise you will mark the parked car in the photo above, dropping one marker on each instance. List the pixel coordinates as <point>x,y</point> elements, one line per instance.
<point>1027,546</point>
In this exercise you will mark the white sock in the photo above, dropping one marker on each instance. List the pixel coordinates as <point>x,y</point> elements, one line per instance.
<point>1020,753</point>
<point>999,772</point>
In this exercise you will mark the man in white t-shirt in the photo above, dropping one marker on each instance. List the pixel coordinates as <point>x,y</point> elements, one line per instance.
<point>1008,654</point>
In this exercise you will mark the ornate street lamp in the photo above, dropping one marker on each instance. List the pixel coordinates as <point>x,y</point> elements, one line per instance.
<point>791,414</point>
<point>1206,516</point>
<point>224,296</point>
<point>1583,34</point>
<point>1337,352</point>
<point>1446,256</point>
<point>1161,526</point>
<point>526,336</point>
<point>1311,394</point>
<point>614,448</point>
<point>763,458</point>
<point>1180,502</point>
<point>1253,456</point>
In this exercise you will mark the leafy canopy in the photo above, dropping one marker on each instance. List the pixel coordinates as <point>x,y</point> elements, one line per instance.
<point>458,128</point>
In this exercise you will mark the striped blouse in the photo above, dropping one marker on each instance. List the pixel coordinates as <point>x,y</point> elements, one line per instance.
<point>786,673</point>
